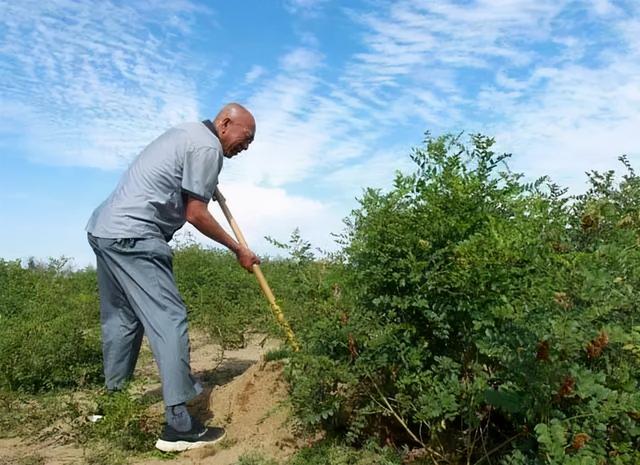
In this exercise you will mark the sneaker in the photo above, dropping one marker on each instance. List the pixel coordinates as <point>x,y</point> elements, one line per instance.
<point>198,436</point>
<point>95,418</point>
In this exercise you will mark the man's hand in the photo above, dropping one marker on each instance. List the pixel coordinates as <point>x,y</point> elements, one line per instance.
<point>247,258</point>
<point>197,214</point>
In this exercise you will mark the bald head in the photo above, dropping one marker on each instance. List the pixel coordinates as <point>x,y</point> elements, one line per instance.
<point>233,110</point>
<point>236,128</point>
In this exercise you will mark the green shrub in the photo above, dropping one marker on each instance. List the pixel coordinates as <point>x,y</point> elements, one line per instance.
<point>491,317</point>
<point>49,336</point>
<point>226,301</point>
<point>329,453</point>
<point>220,296</point>
<point>128,422</point>
<point>49,315</point>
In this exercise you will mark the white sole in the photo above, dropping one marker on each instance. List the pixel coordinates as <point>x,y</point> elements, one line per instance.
<point>180,446</point>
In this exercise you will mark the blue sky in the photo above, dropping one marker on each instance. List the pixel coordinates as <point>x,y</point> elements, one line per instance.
<point>341,92</point>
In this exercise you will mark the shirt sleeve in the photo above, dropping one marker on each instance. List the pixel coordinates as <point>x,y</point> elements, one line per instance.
<point>200,172</point>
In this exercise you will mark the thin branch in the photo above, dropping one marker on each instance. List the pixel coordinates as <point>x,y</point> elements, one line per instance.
<point>498,447</point>
<point>387,407</point>
<point>472,446</point>
<point>397,417</point>
<point>484,444</point>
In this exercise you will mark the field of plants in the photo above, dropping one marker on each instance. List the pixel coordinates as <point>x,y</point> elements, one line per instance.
<point>469,317</point>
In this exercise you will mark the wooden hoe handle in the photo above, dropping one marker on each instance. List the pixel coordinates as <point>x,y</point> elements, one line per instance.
<point>275,308</point>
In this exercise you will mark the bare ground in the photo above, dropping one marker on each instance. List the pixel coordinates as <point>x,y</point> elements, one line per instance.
<point>242,393</point>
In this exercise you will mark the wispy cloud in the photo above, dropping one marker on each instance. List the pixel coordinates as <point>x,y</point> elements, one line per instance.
<point>435,47</point>
<point>274,212</point>
<point>524,70</point>
<point>407,69</point>
<point>556,81</point>
<point>583,119</point>
<point>254,73</point>
<point>103,77</point>
<point>446,66</point>
<point>308,8</point>
<point>299,130</point>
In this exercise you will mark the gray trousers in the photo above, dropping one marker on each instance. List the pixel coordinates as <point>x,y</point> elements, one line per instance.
<point>138,295</point>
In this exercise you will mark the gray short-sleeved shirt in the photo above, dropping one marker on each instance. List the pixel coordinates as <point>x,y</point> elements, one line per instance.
<point>148,201</point>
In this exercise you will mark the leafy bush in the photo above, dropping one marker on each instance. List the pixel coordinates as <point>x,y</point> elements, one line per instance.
<point>49,336</point>
<point>328,453</point>
<point>490,317</point>
<point>226,301</point>
<point>220,296</point>
<point>49,315</point>
<point>128,422</point>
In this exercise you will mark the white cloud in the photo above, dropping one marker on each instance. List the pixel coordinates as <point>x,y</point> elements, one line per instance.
<point>408,74</point>
<point>582,120</point>
<point>559,114</point>
<point>300,60</point>
<point>523,70</point>
<point>299,133</point>
<point>273,212</point>
<point>306,8</point>
<point>377,170</point>
<point>101,84</point>
<point>254,73</point>
<point>415,34</point>
<point>603,7</point>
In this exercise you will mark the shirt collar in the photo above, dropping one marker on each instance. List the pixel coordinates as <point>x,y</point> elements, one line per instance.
<point>211,127</point>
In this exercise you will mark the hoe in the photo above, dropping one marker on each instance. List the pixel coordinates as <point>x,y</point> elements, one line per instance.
<point>275,308</point>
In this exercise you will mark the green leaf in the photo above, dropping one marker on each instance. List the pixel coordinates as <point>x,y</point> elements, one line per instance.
<point>552,438</point>
<point>504,400</point>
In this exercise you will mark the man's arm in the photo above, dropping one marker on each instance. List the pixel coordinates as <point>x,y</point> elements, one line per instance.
<point>198,215</point>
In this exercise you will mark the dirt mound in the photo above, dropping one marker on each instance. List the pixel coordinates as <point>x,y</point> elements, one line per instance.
<point>254,411</point>
<point>249,398</point>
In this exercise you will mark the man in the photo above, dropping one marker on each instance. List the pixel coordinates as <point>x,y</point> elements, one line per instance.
<point>169,183</point>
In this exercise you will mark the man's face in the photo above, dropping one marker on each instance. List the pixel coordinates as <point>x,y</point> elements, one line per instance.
<point>237,134</point>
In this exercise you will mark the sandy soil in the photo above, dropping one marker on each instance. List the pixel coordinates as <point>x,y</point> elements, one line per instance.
<point>247,397</point>
<point>16,451</point>
<point>242,393</point>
